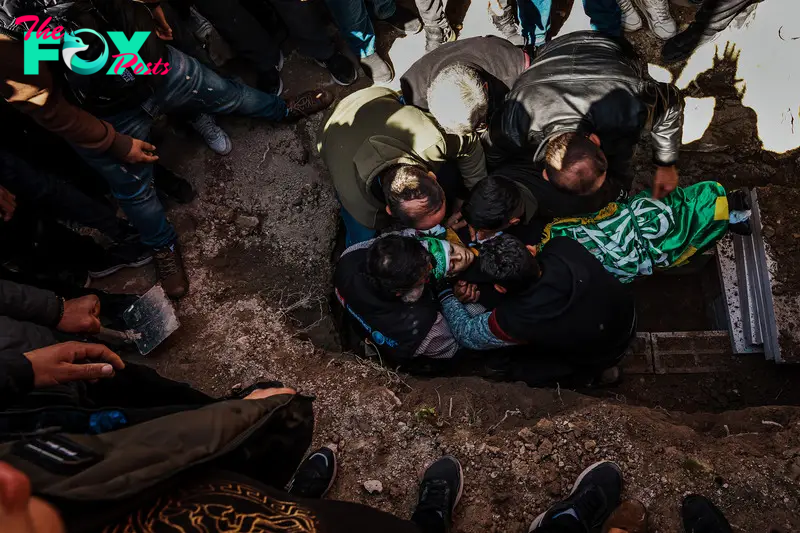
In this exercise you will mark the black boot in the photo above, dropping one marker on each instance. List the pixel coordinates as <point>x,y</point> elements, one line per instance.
<point>507,25</point>
<point>702,516</point>
<point>435,36</point>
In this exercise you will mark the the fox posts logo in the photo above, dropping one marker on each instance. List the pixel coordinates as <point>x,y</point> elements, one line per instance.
<point>73,44</point>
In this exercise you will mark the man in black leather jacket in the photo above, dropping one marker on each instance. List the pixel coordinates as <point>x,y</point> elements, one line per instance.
<point>595,88</point>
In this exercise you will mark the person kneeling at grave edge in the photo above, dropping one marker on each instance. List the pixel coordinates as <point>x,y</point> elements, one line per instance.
<point>383,286</point>
<point>635,238</point>
<point>562,313</point>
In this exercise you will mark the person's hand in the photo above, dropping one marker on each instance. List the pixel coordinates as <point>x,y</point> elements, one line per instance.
<point>467,293</point>
<point>456,220</point>
<point>260,394</point>
<point>8,204</point>
<point>81,315</point>
<point>665,181</point>
<point>62,363</point>
<point>163,29</point>
<point>141,152</point>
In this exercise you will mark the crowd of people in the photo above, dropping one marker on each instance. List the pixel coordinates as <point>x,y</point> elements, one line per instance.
<point>488,213</point>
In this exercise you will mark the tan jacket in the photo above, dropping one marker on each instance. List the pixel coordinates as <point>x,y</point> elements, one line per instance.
<point>370,131</point>
<point>35,95</point>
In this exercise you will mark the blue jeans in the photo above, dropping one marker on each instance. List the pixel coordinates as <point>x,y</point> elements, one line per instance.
<point>354,231</point>
<point>354,23</point>
<point>534,17</point>
<point>189,88</point>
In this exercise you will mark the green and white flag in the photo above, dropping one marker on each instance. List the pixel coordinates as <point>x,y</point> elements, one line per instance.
<point>634,238</point>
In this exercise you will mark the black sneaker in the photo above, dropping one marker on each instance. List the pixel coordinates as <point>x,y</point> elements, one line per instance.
<point>404,20</point>
<point>119,256</point>
<point>439,492</point>
<point>342,69</point>
<point>170,271</point>
<point>435,36</point>
<point>507,25</point>
<point>376,68</point>
<point>702,516</point>
<point>593,498</point>
<point>681,46</point>
<point>168,183</point>
<point>270,82</point>
<point>316,474</point>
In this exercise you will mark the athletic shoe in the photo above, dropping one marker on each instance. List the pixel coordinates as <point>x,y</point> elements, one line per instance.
<point>214,136</point>
<point>658,17</point>
<point>307,103</point>
<point>376,68</point>
<point>342,70</point>
<point>119,256</point>
<point>593,498</point>
<point>170,271</point>
<point>631,20</point>
<point>435,36</point>
<point>439,492</point>
<point>404,20</point>
<point>702,516</point>
<point>630,517</point>
<point>507,25</point>
<point>171,185</point>
<point>316,474</point>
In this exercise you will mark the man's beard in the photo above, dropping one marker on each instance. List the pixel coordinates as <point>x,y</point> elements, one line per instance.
<point>413,295</point>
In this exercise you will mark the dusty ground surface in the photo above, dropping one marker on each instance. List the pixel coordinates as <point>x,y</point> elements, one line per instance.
<point>258,242</point>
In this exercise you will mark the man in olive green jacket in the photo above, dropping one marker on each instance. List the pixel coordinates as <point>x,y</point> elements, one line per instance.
<point>367,136</point>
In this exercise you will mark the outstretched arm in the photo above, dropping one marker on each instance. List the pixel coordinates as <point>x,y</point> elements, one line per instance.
<point>471,332</point>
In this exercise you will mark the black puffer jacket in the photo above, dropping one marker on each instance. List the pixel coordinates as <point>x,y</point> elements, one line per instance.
<point>588,82</point>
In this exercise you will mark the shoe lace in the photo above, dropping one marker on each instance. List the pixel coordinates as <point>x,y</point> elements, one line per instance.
<point>435,496</point>
<point>166,263</point>
<point>204,125</point>
<point>661,8</point>
<point>304,103</point>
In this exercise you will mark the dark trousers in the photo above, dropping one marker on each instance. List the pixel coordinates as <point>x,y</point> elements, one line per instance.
<point>715,15</point>
<point>49,194</point>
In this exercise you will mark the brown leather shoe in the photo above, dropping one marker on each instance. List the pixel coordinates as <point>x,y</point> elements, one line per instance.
<point>629,517</point>
<point>308,103</point>
<point>170,272</point>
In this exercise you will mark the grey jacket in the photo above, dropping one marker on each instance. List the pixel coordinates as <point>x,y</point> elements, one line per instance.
<point>591,83</point>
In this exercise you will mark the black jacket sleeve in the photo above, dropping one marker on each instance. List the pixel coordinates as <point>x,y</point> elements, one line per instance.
<point>667,123</point>
<point>16,376</point>
<point>29,304</point>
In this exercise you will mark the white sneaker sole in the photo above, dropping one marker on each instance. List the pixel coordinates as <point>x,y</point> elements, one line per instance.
<point>659,32</point>
<point>538,521</point>
<point>117,268</point>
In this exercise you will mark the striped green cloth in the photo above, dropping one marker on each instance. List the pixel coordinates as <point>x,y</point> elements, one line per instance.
<point>632,239</point>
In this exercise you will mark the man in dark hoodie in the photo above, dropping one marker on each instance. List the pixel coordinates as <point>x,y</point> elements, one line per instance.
<point>561,306</point>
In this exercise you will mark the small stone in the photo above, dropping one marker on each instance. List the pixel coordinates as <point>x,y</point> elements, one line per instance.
<point>768,231</point>
<point>545,427</point>
<point>589,445</point>
<point>545,448</point>
<point>373,486</point>
<point>528,436</point>
<point>247,221</point>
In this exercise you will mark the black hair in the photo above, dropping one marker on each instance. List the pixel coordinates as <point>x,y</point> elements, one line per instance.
<point>396,263</point>
<point>509,263</point>
<point>402,183</point>
<point>491,205</point>
<point>574,163</point>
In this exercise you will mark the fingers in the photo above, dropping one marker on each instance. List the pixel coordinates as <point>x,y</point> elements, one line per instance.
<point>139,152</point>
<point>8,204</point>
<point>87,372</point>
<point>15,490</point>
<point>260,394</point>
<point>82,350</point>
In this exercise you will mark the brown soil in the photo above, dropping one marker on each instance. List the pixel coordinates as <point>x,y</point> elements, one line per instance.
<point>258,243</point>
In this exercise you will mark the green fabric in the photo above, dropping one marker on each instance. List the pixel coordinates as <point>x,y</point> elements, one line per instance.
<point>440,249</point>
<point>634,238</point>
